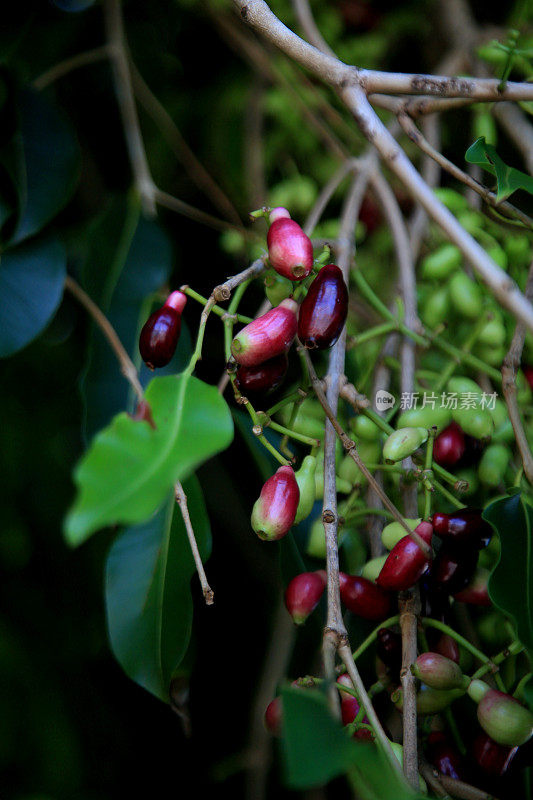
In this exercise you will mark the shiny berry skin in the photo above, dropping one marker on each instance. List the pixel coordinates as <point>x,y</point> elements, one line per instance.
<point>449,446</point>
<point>389,650</point>
<point>364,598</point>
<point>274,716</point>
<point>528,373</point>
<point>453,569</point>
<point>290,250</point>
<point>493,758</point>
<point>447,646</point>
<point>504,719</point>
<point>324,310</point>
<point>406,562</point>
<point>274,511</point>
<point>476,592</point>
<point>350,708</point>
<point>303,594</point>
<point>438,671</point>
<point>267,336</point>
<point>263,378</point>
<point>161,331</point>
<point>463,526</point>
<point>443,757</point>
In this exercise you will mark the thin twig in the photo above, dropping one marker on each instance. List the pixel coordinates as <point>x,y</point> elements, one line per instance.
<point>69,64</point>
<point>511,364</point>
<point>180,207</point>
<point>430,775</point>
<point>462,790</point>
<point>127,367</point>
<point>181,500</point>
<point>172,134</point>
<point>124,91</point>
<point>489,197</point>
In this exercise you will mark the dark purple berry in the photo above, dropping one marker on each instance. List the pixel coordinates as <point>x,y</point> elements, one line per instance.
<point>324,309</point>
<point>449,446</point>
<point>160,333</point>
<point>263,378</point>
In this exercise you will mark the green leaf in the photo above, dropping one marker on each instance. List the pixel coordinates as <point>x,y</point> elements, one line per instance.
<point>148,596</point>
<point>50,163</point>
<point>511,581</point>
<point>130,468</point>
<point>31,287</point>
<point>128,260</point>
<point>316,749</point>
<point>509,179</point>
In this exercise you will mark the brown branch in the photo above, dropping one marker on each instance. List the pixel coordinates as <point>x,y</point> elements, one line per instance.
<point>191,212</point>
<point>124,92</point>
<point>181,500</point>
<point>430,776</point>
<point>127,367</point>
<point>462,790</point>
<point>510,367</point>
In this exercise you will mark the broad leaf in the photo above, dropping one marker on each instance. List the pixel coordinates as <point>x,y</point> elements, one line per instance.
<point>50,163</point>
<point>128,260</point>
<point>511,581</point>
<point>148,595</point>
<point>316,749</point>
<point>31,286</point>
<point>509,179</point>
<point>130,467</point>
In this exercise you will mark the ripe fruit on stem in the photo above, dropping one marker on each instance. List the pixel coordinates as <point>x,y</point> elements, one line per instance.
<point>267,336</point>
<point>364,598</point>
<point>324,309</point>
<point>406,562</point>
<point>438,672</point>
<point>275,509</point>
<point>464,526</point>
<point>274,716</point>
<point>160,333</point>
<point>500,715</point>
<point>350,707</point>
<point>442,755</point>
<point>303,594</point>
<point>389,650</point>
<point>453,568</point>
<point>289,249</point>
<point>263,378</point>
<point>449,446</point>
<point>493,758</point>
<point>476,592</point>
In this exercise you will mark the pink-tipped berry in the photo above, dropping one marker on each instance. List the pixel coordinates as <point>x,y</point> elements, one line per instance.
<point>289,249</point>
<point>275,509</point>
<point>160,333</point>
<point>406,562</point>
<point>303,594</point>
<point>267,336</point>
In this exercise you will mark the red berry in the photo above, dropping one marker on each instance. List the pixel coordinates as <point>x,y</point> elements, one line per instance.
<point>263,378</point>
<point>303,594</point>
<point>290,250</point>
<point>350,708</point>
<point>477,591</point>
<point>364,598</point>
<point>274,716</point>
<point>267,336</point>
<point>447,646</point>
<point>442,755</point>
<point>528,374</point>
<point>464,526</point>
<point>160,333</point>
<point>438,671</point>
<point>449,446</point>
<point>324,309</point>
<point>389,650</point>
<point>493,758</point>
<point>274,511</point>
<point>452,570</point>
<point>406,562</point>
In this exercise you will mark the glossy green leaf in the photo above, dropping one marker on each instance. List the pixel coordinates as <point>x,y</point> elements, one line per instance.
<point>316,749</point>
<point>509,179</point>
<point>148,594</point>
<point>130,467</point>
<point>129,259</point>
<point>511,581</point>
<point>50,163</point>
<point>31,287</point>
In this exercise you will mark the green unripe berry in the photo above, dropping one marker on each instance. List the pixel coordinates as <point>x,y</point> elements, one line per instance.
<point>403,442</point>
<point>364,428</point>
<point>305,478</point>
<point>439,672</point>
<point>501,716</point>
<point>498,255</point>
<point>426,417</point>
<point>442,262</point>
<point>373,567</point>
<point>476,422</point>
<point>493,333</point>
<point>465,296</point>
<point>493,464</point>
<point>436,307</point>
<point>393,532</point>
<point>518,249</point>
<point>370,452</point>
<point>454,201</point>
